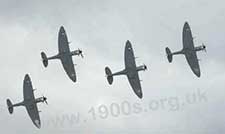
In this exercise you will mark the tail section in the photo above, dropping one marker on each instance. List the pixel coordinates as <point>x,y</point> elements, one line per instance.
<point>10,106</point>
<point>169,55</point>
<point>44,59</point>
<point>109,75</point>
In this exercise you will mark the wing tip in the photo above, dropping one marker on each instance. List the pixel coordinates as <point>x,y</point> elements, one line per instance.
<point>197,72</point>
<point>139,94</point>
<point>37,123</point>
<point>27,77</point>
<point>128,43</point>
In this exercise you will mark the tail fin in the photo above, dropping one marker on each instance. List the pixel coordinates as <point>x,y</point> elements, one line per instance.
<point>169,55</point>
<point>109,76</point>
<point>44,59</point>
<point>10,106</point>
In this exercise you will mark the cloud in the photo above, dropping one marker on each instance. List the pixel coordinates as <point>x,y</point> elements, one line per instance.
<point>101,29</point>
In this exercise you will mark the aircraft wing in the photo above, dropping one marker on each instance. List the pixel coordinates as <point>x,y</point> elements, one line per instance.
<point>63,44</point>
<point>28,92</point>
<point>132,73</point>
<point>33,112</point>
<point>68,66</point>
<point>66,58</point>
<point>30,103</point>
<point>129,56</point>
<point>190,53</point>
<point>192,60</point>
<point>135,83</point>
<point>187,37</point>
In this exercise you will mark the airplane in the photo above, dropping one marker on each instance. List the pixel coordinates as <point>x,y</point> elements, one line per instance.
<point>30,102</point>
<point>189,50</point>
<point>131,71</point>
<point>64,54</point>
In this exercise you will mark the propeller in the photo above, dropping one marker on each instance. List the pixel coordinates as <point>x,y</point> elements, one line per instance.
<point>80,53</point>
<point>204,47</point>
<point>145,67</point>
<point>45,100</point>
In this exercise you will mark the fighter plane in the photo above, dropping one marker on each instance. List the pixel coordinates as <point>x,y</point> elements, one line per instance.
<point>30,102</point>
<point>189,50</point>
<point>64,54</point>
<point>131,71</point>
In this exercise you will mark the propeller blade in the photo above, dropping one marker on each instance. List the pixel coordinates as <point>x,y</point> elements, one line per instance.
<point>45,100</point>
<point>204,47</point>
<point>81,53</point>
<point>145,67</point>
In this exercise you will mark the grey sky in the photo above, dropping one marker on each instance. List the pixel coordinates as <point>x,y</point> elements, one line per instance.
<point>101,28</point>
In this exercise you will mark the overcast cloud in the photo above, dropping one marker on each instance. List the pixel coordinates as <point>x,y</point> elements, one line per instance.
<point>100,28</point>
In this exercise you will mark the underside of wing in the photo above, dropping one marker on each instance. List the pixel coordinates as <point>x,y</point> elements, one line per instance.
<point>132,73</point>
<point>129,56</point>
<point>134,81</point>
<point>187,37</point>
<point>68,66</point>
<point>33,112</point>
<point>28,92</point>
<point>189,49</point>
<point>192,60</point>
<point>63,43</point>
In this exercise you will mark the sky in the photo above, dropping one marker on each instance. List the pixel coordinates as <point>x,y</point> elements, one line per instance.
<point>174,100</point>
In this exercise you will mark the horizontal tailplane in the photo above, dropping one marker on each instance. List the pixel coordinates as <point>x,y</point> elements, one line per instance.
<point>10,106</point>
<point>169,55</point>
<point>44,59</point>
<point>109,75</point>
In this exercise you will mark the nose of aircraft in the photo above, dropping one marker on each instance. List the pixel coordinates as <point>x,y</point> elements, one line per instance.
<point>145,67</point>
